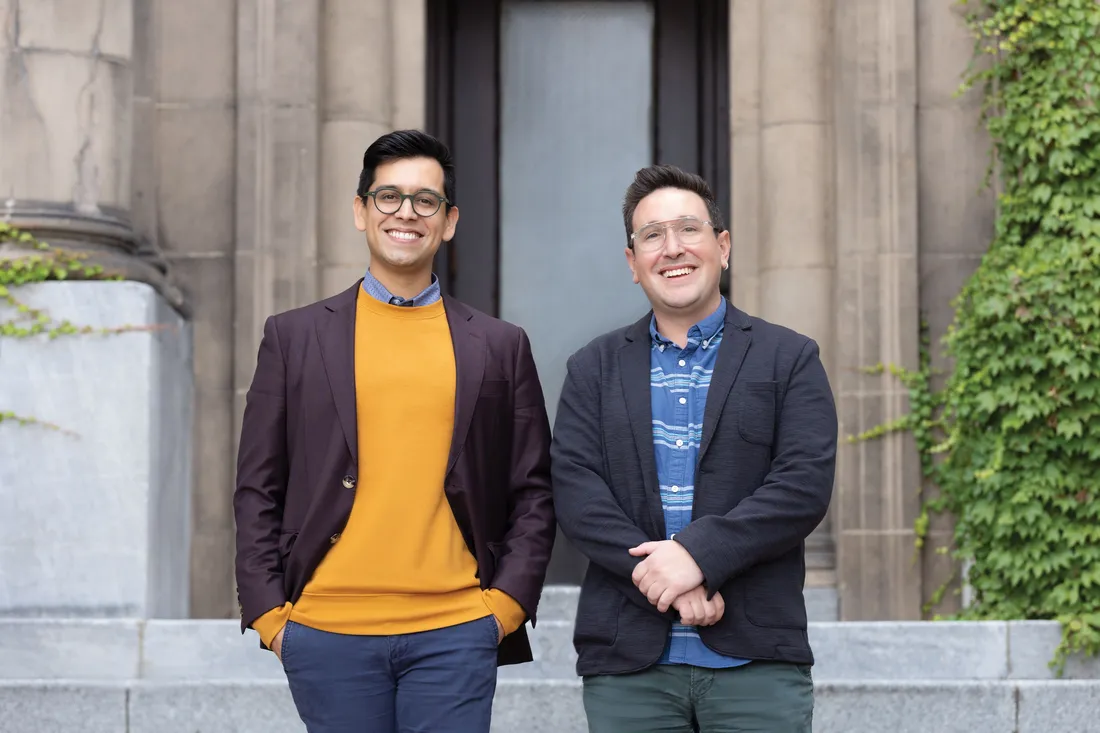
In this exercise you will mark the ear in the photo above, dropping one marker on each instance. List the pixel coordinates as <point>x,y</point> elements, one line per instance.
<point>631,263</point>
<point>724,246</point>
<point>359,211</point>
<point>452,224</point>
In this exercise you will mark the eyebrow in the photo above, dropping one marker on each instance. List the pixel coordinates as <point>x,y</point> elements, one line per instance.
<point>419,190</point>
<point>675,218</point>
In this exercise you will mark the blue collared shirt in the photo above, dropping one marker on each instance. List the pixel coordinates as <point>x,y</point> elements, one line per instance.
<point>679,381</point>
<point>427,296</point>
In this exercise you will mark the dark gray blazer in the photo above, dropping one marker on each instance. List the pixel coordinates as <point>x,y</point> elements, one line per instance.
<point>762,484</point>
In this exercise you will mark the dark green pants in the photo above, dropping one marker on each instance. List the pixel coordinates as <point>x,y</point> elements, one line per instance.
<point>770,697</point>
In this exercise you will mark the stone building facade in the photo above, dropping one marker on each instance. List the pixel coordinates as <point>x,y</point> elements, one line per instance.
<point>212,148</point>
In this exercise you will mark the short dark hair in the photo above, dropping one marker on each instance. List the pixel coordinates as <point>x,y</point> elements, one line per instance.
<point>402,144</point>
<point>654,177</point>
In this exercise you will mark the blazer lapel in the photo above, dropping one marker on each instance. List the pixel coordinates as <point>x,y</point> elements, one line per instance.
<point>731,354</point>
<point>336,335</point>
<point>635,370</point>
<point>469,347</point>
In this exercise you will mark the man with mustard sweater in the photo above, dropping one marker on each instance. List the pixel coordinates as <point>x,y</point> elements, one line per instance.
<point>393,505</point>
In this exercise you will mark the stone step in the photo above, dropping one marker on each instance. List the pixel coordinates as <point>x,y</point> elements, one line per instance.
<point>197,650</point>
<point>915,706</point>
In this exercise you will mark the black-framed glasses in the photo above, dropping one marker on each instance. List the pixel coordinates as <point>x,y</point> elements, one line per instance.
<point>389,200</point>
<point>688,230</point>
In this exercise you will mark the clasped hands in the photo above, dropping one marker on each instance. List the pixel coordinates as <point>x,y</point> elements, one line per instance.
<point>669,577</point>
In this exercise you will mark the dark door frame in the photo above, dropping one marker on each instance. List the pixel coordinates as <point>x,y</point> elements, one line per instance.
<point>690,119</point>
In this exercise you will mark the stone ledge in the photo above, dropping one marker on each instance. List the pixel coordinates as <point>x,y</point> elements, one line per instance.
<point>266,706</point>
<point>202,650</point>
<point>63,707</point>
<point>98,649</point>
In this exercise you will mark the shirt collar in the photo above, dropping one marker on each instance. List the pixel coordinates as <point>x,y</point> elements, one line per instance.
<point>702,332</point>
<point>377,290</point>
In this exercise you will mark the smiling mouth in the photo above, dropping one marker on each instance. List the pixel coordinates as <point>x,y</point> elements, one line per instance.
<point>404,236</point>
<point>678,272</point>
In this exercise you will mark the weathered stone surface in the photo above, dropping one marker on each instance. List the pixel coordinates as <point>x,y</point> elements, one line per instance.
<point>1058,706</point>
<point>822,604</point>
<point>538,707</point>
<point>49,707</point>
<point>205,650</point>
<point>919,650</point>
<point>915,707</point>
<point>66,95</point>
<point>213,707</point>
<point>877,316</point>
<point>1031,646</point>
<point>96,518</point>
<point>85,649</point>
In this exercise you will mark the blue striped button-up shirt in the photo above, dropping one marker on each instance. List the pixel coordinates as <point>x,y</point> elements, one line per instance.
<point>427,296</point>
<point>679,380</point>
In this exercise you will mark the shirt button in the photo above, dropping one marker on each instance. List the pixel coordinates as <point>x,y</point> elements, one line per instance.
<point>683,400</point>
<point>661,347</point>
<point>706,344</point>
<point>349,482</point>
<point>679,443</point>
<point>683,363</point>
<point>675,489</point>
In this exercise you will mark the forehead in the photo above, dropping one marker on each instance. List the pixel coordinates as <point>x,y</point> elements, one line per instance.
<point>410,174</point>
<point>669,203</point>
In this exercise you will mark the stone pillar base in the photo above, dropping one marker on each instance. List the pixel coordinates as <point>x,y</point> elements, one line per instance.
<point>97,510</point>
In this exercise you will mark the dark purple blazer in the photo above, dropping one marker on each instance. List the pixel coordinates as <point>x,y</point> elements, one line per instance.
<point>298,468</point>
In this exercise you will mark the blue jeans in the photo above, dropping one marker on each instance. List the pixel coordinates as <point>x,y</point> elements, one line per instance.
<point>440,681</point>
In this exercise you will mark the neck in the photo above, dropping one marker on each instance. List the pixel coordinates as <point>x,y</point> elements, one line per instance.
<point>402,284</point>
<point>675,324</point>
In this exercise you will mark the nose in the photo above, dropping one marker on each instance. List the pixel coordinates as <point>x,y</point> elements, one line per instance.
<point>673,248</point>
<point>406,210</point>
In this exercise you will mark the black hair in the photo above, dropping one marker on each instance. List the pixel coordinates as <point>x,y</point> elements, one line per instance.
<point>654,177</point>
<point>402,144</point>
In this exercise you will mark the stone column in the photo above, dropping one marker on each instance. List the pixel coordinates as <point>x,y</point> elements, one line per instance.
<point>278,86</point>
<point>877,316</point>
<point>97,517</point>
<point>185,61</point>
<point>66,116</point>
<point>746,213</point>
<point>956,216</point>
<point>382,40</point>
<point>782,226</point>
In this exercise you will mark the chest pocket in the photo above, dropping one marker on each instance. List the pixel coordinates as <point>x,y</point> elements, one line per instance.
<point>756,412</point>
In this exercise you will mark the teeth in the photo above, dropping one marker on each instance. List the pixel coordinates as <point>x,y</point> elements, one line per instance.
<point>677,273</point>
<point>407,236</point>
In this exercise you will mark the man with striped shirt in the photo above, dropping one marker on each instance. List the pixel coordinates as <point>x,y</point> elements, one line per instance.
<point>693,453</point>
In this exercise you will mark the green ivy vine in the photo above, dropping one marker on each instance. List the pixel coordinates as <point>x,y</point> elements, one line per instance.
<point>1013,439</point>
<point>34,261</point>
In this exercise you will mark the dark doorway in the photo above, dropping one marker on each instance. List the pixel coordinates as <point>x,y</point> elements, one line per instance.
<point>548,108</point>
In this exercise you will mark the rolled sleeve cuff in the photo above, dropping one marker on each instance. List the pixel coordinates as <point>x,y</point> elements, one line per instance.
<point>271,623</point>
<point>510,614</point>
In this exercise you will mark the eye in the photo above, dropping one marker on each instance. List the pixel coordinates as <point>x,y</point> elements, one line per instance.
<point>426,200</point>
<point>651,235</point>
<point>691,228</point>
<point>388,196</point>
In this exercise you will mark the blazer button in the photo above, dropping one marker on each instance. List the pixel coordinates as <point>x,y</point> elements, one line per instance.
<point>349,482</point>
<point>334,539</point>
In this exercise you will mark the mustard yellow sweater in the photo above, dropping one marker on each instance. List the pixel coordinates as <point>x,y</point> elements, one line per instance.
<point>400,566</point>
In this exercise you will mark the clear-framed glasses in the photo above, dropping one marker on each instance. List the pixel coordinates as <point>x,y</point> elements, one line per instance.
<point>389,200</point>
<point>688,230</point>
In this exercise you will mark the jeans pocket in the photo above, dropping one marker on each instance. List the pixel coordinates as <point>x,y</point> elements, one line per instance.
<point>494,630</point>
<point>283,643</point>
